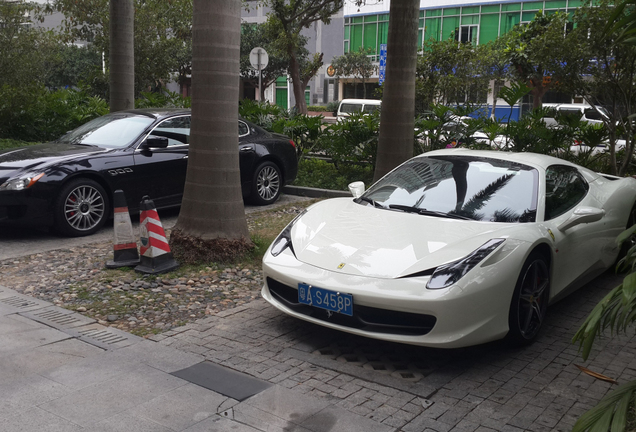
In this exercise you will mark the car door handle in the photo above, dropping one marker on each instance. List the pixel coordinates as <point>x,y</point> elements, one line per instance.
<point>245,149</point>
<point>185,157</point>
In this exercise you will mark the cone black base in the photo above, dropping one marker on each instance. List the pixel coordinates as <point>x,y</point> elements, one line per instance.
<point>124,258</point>
<point>161,264</point>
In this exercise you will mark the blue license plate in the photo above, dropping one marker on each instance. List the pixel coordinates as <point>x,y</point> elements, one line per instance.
<point>325,299</point>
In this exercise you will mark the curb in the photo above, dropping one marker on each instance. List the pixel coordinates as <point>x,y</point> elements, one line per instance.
<point>314,192</point>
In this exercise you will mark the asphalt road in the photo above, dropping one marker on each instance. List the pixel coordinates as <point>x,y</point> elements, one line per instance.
<point>18,242</point>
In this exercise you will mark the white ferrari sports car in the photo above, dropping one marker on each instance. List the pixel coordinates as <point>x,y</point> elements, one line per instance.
<point>452,248</point>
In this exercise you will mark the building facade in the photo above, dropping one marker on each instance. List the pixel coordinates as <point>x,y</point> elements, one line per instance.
<point>472,21</point>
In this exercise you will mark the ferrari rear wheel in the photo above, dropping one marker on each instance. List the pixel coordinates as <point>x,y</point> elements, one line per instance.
<point>529,301</point>
<point>631,241</point>
<point>81,208</point>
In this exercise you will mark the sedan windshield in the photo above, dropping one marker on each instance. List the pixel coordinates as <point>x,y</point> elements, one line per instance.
<point>112,131</point>
<point>460,187</point>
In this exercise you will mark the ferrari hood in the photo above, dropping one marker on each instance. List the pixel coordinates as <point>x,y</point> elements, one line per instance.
<point>14,161</point>
<point>342,236</point>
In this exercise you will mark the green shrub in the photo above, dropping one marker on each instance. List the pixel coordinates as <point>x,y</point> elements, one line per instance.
<point>165,99</point>
<point>317,108</point>
<point>37,114</point>
<point>323,174</point>
<point>332,107</point>
<point>353,140</point>
<point>258,112</point>
<point>6,144</point>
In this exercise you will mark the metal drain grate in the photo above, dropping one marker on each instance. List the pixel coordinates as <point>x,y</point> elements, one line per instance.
<point>58,318</point>
<point>107,338</point>
<point>400,365</point>
<point>103,336</point>
<point>19,302</point>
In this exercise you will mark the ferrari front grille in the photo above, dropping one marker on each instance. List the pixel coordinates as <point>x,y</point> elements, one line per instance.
<point>364,317</point>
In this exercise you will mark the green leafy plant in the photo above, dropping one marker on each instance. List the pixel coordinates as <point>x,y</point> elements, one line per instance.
<point>163,99</point>
<point>616,312</point>
<point>354,140</point>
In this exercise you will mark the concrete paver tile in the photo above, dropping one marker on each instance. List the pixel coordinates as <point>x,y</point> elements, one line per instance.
<point>39,420</point>
<point>219,424</point>
<point>285,404</point>
<point>128,422</point>
<point>337,419</point>
<point>95,403</point>
<point>181,407</point>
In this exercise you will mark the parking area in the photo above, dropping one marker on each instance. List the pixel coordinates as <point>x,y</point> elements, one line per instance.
<point>486,388</point>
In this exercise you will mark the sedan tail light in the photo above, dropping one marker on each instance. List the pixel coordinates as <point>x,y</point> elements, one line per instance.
<point>292,143</point>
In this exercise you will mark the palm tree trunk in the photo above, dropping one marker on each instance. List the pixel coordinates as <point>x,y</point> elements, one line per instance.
<point>122,55</point>
<point>397,119</point>
<point>212,216</point>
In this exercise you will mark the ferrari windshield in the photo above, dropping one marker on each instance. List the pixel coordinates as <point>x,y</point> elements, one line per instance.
<point>111,131</point>
<point>465,187</point>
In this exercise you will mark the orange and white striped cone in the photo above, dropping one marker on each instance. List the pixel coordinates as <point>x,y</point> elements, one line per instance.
<point>125,246</point>
<point>155,251</point>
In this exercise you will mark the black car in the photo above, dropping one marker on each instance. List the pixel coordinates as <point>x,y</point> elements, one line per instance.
<point>69,183</point>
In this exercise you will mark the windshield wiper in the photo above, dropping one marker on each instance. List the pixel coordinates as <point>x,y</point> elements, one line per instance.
<point>370,201</point>
<point>421,211</point>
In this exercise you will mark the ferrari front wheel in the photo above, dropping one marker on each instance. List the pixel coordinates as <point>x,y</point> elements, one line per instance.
<point>529,301</point>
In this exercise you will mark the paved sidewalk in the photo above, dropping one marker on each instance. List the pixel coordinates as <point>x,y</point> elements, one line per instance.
<point>252,368</point>
<point>60,371</point>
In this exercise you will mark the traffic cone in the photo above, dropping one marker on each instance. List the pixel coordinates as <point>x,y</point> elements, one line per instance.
<point>155,251</point>
<point>125,246</point>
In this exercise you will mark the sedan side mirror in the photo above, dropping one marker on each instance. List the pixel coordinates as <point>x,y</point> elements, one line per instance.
<point>582,215</point>
<point>356,189</point>
<point>154,141</point>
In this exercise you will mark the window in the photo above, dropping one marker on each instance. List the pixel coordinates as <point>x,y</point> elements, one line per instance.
<point>243,128</point>
<point>467,34</point>
<point>176,129</point>
<point>477,188</point>
<point>565,187</point>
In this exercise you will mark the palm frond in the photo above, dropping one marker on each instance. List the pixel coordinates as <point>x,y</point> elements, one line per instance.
<point>611,412</point>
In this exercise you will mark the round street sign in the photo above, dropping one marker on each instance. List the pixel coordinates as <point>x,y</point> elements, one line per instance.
<point>259,58</point>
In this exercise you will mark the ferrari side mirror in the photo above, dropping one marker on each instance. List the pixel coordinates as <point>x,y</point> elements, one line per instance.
<point>582,215</point>
<point>356,189</point>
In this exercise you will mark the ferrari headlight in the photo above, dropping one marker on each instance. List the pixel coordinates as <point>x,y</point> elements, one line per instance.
<point>448,274</point>
<point>21,183</point>
<point>283,241</point>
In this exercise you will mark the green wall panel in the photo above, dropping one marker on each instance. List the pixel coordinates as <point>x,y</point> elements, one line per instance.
<point>355,39</point>
<point>470,10</point>
<point>383,32</point>
<point>489,28</point>
<point>449,25</point>
<point>470,19</point>
<point>511,7</point>
<point>490,8</point>
<point>434,13</point>
<point>432,29</point>
<point>370,37</point>
<point>555,4</point>
<point>533,5</point>
<point>508,21</point>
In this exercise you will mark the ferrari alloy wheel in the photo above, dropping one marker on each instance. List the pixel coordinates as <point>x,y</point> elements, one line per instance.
<point>267,184</point>
<point>81,208</point>
<point>530,300</point>
<point>630,241</point>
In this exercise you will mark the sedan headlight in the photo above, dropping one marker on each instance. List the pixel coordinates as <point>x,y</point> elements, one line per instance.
<point>21,183</point>
<point>448,274</point>
<point>283,241</point>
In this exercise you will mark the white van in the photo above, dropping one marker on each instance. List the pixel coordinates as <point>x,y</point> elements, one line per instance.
<point>350,106</point>
<point>588,114</point>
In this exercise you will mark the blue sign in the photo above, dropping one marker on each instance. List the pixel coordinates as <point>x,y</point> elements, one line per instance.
<point>382,64</point>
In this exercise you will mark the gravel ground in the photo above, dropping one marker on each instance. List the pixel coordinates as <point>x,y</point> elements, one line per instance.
<point>76,279</point>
